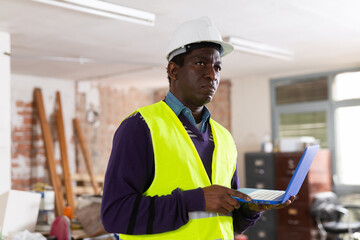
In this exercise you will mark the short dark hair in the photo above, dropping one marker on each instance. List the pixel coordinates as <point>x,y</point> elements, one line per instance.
<point>178,60</point>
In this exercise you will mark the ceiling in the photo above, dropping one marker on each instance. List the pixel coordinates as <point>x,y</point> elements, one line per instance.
<point>323,34</point>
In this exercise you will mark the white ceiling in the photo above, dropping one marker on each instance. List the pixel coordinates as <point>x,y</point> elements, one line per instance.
<point>323,34</point>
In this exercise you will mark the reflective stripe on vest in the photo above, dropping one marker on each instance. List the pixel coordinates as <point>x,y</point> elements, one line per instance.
<point>178,165</point>
<point>201,214</point>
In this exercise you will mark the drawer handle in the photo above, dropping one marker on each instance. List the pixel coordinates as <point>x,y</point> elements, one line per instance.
<point>293,222</point>
<point>291,164</point>
<point>259,163</point>
<point>259,171</point>
<point>293,211</point>
<point>261,234</point>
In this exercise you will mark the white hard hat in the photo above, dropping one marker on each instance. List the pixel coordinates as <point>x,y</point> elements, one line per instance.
<point>195,31</point>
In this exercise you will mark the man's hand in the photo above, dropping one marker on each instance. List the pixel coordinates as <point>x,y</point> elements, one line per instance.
<point>264,207</point>
<point>218,199</point>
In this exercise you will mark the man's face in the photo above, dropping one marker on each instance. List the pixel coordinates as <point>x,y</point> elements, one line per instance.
<point>198,79</point>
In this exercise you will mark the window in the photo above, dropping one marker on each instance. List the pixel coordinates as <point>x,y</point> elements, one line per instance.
<point>347,144</point>
<point>300,108</point>
<point>304,124</point>
<point>346,96</point>
<point>325,106</point>
<point>306,91</point>
<point>347,86</point>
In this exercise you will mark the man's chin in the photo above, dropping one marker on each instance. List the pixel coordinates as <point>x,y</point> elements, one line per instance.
<point>207,100</point>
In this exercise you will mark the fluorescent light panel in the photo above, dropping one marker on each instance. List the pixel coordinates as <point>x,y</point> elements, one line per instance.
<point>105,9</point>
<point>260,49</point>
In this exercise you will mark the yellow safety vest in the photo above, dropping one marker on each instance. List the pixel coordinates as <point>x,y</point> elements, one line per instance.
<point>178,165</point>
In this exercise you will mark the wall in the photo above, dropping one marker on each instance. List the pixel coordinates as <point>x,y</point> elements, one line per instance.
<point>5,104</point>
<point>251,116</point>
<point>112,103</point>
<point>28,164</point>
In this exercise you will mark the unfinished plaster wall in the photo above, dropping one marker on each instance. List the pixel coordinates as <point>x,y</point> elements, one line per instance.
<point>28,164</point>
<point>100,109</point>
<point>5,106</point>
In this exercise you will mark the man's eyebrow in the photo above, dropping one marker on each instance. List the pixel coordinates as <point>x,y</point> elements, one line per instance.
<point>204,58</point>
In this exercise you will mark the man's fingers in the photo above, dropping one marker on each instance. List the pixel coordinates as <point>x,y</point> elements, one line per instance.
<point>233,203</point>
<point>227,208</point>
<point>224,211</point>
<point>239,195</point>
<point>220,199</point>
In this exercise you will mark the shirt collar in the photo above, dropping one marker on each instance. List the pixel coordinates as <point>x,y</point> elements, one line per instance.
<point>179,107</point>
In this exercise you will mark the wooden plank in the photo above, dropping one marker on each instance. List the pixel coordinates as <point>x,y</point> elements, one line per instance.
<point>49,152</point>
<point>84,177</point>
<point>63,152</point>
<point>86,155</point>
<point>83,183</point>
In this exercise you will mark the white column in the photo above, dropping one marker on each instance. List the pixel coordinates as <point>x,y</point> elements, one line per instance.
<point>5,122</point>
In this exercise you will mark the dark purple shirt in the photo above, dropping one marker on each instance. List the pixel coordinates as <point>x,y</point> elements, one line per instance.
<point>130,172</point>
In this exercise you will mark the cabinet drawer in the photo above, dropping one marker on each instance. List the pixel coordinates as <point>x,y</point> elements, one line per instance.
<point>303,196</point>
<point>295,215</point>
<point>265,227</point>
<point>284,233</point>
<point>267,219</point>
<point>259,164</point>
<point>261,234</point>
<point>260,182</point>
<point>286,164</point>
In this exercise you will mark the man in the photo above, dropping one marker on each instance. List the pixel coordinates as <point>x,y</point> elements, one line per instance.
<point>172,170</point>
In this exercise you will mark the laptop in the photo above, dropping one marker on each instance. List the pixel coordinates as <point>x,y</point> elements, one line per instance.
<point>266,196</point>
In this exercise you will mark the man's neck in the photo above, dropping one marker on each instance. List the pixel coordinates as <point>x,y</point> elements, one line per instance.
<point>197,113</point>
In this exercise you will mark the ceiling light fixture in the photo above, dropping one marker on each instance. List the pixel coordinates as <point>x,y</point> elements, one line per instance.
<point>260,49</point>
<point>105,9</point>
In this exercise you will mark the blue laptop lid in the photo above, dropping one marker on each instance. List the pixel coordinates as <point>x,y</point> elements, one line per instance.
<point>301,171</point>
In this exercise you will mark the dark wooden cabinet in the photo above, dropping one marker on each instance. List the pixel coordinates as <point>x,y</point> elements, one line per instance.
<point>295,221</point>
<point>274,171</point>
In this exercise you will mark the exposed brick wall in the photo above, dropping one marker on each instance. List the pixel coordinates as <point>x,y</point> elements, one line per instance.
<point>28,160</point>
<point>28,153</point>
<point>114,105</point>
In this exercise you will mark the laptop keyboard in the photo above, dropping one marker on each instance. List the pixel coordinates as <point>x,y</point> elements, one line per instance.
<point>270,195</point>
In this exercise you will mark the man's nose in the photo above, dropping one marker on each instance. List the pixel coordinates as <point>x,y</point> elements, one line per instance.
<point>211,73</point>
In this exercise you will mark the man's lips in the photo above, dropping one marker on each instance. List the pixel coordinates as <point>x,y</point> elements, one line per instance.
<point>209,88</point>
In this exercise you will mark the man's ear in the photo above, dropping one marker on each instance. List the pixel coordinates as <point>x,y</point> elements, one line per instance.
<point>172,70</point>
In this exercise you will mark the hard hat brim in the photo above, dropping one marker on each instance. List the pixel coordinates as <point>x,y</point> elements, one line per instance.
<point>226,49</point>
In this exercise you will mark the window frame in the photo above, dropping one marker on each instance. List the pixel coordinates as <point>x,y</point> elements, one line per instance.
<point>329,106</point>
